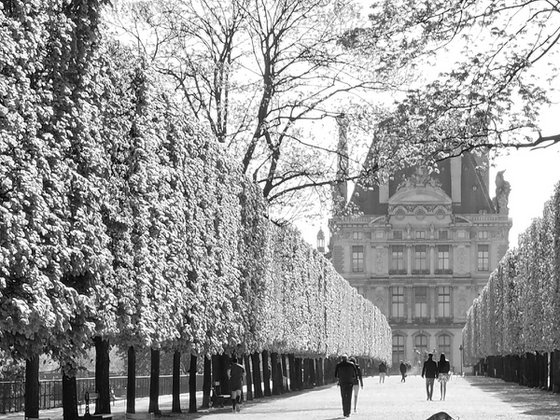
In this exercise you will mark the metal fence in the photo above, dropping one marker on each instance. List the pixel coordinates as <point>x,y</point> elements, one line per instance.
<point>50,391</point>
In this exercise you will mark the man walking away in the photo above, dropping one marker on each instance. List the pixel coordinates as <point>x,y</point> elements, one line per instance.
<point>345,372</point>
<point>236,374</point>
<point>430,372</point>
<point>402,368</point>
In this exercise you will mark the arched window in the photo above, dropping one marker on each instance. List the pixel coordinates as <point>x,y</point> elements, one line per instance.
<point>421,343</point>
<point>444,345</point>
<point>398,349</point>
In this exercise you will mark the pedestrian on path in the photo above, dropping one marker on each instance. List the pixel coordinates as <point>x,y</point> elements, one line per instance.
<point>443,375</point>
<point>236,374</point>
<point>345,372</point>
<point>430,372</point>
<point>402,368</point>
<point>382,372</point>
<point>358,382</point>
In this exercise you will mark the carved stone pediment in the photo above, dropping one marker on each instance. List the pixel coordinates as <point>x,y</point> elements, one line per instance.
<point>420,195</point>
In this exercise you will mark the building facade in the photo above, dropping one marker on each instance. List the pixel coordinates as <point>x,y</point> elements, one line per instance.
<point>421,249</point>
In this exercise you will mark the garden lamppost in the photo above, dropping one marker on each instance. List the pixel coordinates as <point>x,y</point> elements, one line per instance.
<point>461,350</point>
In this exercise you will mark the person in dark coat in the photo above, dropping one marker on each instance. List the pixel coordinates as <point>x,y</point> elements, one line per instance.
<point>236,374</point>
<point>358,382</point>
<point>430,372</point>
<point>402,368</point>
<point>443,375</point>
<point>345,372</point>
<point>382,372</point>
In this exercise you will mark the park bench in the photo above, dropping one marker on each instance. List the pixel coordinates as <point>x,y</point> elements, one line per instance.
<point>92,396</point>
<point>218,399</point>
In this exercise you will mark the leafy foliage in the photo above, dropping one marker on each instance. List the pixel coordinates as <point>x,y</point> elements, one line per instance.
<point>517,310</point>
<point>122,218</point>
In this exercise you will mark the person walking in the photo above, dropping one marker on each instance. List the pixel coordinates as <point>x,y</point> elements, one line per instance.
<point>358,382</point>
<point>382,372</point>
<point>443,375</point>
<point>430,372</point>
<point>402,368</point>
<point>345,372</point>
<point>236,374</point>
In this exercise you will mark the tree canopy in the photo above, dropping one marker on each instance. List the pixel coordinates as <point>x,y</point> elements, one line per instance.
<point>494,61</point>
<point>269,78</point>
<point>122,218</point>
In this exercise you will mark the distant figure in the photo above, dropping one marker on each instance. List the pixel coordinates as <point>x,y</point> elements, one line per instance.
<point>345,372</point>
<point>403,369</point>
<point>358,382</point>
<point>382,372</point>
<point>443,375</point>
<point>430,372</point>
<point>236,374</point>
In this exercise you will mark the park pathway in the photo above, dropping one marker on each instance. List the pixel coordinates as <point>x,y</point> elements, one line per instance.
<point>469,398</point>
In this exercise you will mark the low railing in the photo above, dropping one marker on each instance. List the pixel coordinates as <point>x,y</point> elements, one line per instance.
<point>12,394</point>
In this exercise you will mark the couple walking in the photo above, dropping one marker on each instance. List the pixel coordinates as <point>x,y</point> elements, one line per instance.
<point>432,370</point>
<point>349,377</point>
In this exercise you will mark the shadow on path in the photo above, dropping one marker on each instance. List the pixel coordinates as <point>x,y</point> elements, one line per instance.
<point>530,401</point>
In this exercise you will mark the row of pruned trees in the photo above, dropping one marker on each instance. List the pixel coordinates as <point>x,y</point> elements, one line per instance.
<point>514,321</point>
<point>123,223</point>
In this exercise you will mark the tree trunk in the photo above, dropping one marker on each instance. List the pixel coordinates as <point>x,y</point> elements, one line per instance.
<point>266,373</point>
<point>312,374</point>
<point>154,383</point>
<point>206,382</point>
<point>292,371</point>
<point>224,378</point>
<point>285,373</point>
<point>131,381</point>
<point>319,371</point>
<point>102,384</point>
<point>32,387</point>
<point>248,376</point>
<point>176,402</point>
<point>298,373</point>
<point>69,397</point>
<point>275,371</point>
<point>257,375</point>
<point>192,384</point>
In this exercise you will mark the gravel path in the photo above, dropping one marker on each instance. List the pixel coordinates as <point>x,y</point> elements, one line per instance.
<point>469,398</point>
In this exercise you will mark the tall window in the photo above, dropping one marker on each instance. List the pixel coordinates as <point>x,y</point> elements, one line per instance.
<point>397,258</point>
<point>420,260</point>
<point>420,234</point>
<point>443,257</point>
<point>421,343</point>
<point>397,302</point>
<point>357,258</point>
<point>398,349</point>
<point>444,301</point>
<point>483,258</point>
<point>421,302</point>
<point>444,345</point>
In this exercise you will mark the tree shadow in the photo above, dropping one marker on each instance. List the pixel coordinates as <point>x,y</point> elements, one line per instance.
<point>530,401</point>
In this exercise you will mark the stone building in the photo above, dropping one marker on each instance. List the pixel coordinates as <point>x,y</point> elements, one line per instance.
<point>421,249</point>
